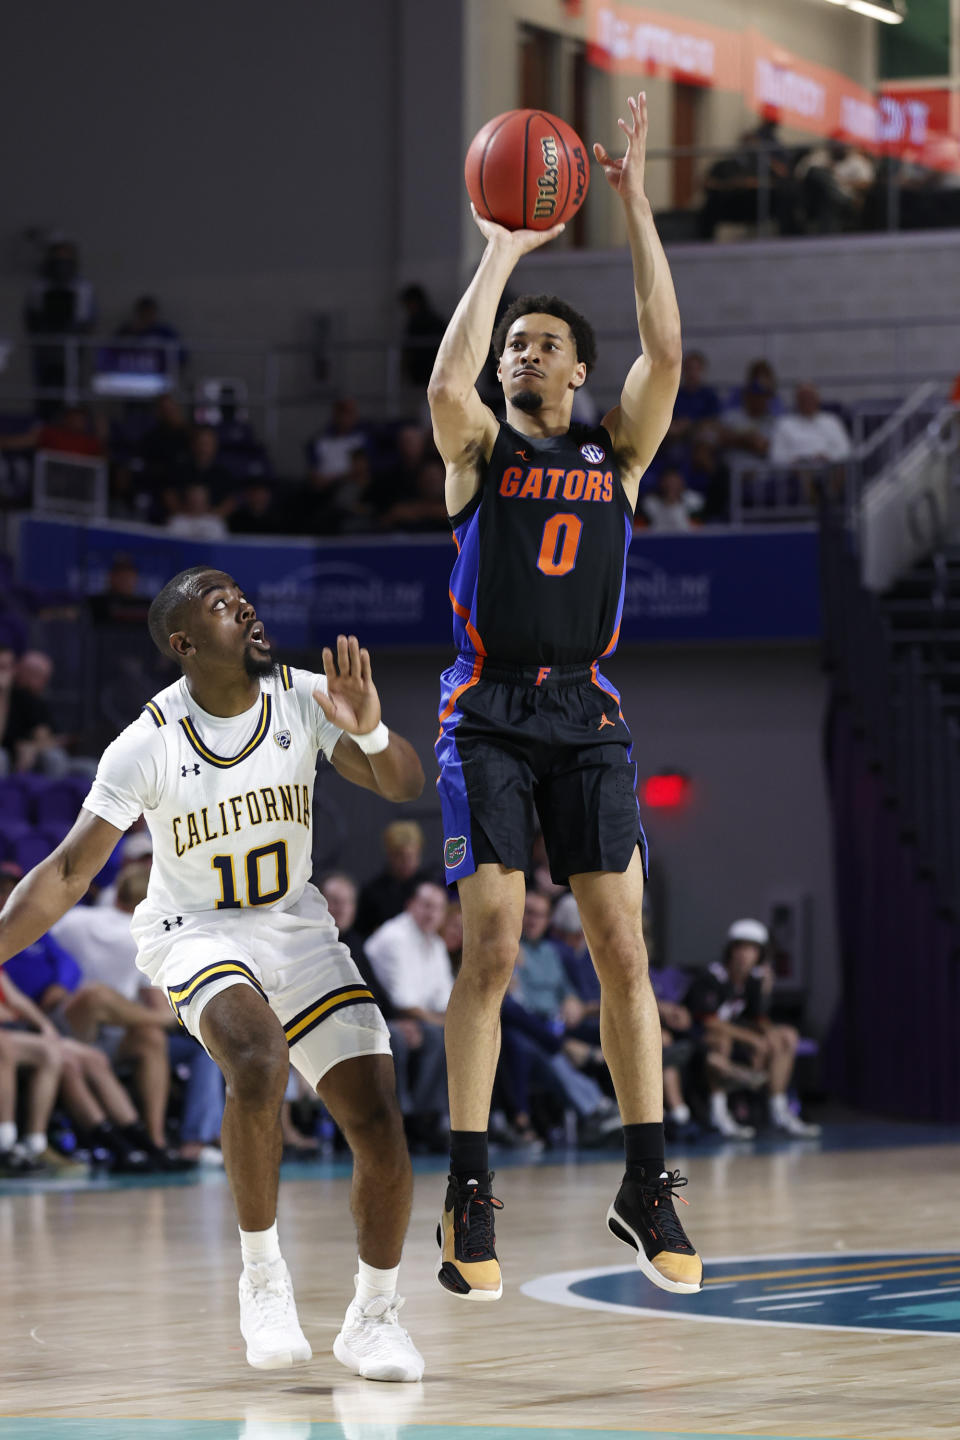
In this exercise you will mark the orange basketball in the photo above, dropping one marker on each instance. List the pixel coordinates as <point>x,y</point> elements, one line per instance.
<point>527,170</point>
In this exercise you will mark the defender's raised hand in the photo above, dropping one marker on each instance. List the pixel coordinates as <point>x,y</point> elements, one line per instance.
<point>626,173</point>
<point>351,701</point>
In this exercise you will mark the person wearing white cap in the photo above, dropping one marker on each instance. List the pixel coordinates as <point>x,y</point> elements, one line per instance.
<point>730,999</point>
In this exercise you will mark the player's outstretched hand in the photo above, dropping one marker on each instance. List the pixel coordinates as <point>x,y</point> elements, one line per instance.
<point>351,701</point>
<point>521,241</point>
<point>626,172</point>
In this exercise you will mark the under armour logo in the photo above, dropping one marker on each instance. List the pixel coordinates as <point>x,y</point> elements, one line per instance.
<point>169,924</point>
<point>185,768</point>
<point>605,720</point>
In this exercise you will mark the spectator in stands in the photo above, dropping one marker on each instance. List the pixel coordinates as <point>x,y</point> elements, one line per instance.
<point>388,892</point>
<point>196,518</point>
<point>731,1000</point>
<point>329,453</point>
<point>144,322</point>
<point>259,512</point>
<point>8,665</point>
<point>697,403</point>
<point>746,428</point>
<point>810,436</point>
<point>733,184</point>
<point>28,736</point>
<point>566,932</point>
<point>426,509</point>
<point>60,303</point>
<point>708,475</point>
<point>39,1055</point>
<point>834,179</point>
<point>120,603</point>
<point>539,1018</point>
<point>165,446</point>
<point>411,963</point>
<point>103,1112</point>
<point>423,330</point>
<point>204,467</point>
<point>671,506</point>
<point>49,976</point>
<point>396,482</point>
<point>98,938</point>
<point>74,431</point>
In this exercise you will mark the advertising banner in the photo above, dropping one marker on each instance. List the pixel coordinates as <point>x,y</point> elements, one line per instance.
<point>707,585</point>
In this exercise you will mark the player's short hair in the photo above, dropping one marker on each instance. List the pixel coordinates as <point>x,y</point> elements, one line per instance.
<point>584,339</point>
<point>165,609</point>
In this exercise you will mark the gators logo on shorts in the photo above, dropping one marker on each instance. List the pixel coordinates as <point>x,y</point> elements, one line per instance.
<point>454,850</point>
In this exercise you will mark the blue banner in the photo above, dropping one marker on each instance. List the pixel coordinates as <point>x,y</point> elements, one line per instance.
<point>708,585</point>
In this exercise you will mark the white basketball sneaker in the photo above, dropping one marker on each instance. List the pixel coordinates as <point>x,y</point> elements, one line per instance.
<point>373,1344</point>
<point>268,1318</point>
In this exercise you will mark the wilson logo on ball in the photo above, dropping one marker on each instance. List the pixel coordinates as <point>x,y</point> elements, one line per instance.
<point>548,184</point>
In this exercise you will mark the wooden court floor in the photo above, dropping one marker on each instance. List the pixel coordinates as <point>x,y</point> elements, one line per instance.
<point>832,1309</point>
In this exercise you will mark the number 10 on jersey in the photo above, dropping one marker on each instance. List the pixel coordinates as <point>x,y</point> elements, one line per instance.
<point>275,870</point>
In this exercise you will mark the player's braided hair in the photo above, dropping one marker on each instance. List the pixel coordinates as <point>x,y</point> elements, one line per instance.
<point>165,607</point>
<point>581,329</point>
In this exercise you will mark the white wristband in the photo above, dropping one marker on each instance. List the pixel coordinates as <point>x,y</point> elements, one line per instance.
<point>374,741</point>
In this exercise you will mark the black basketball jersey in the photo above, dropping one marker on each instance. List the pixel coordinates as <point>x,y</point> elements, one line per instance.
<point>542,547</point>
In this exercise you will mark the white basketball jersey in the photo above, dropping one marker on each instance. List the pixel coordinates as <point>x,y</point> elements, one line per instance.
<point>231,827</point>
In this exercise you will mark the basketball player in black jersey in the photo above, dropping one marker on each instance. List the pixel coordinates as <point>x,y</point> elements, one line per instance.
<point>542,513</point>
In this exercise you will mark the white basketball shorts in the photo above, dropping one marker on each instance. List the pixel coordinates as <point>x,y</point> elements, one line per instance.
<point>292,958</point>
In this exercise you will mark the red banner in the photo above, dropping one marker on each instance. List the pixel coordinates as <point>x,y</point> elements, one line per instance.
<point>627,40</point>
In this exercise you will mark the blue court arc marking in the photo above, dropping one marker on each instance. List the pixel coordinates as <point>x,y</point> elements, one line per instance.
<point>912,1292</point>
<point>137,1429</point>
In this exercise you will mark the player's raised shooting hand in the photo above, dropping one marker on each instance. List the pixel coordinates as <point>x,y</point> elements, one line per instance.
<point>351,701</point>
<point>521,242</point>
<point>626,172</point>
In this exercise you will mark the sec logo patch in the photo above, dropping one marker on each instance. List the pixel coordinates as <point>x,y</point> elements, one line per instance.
<point>593,453</point>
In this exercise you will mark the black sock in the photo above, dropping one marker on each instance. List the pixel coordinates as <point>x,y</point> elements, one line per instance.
<point>644,1146</point>
<point>469,1155</point>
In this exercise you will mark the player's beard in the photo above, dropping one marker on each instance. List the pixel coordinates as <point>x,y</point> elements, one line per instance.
<point>529,401</point>
<point>258,666</point>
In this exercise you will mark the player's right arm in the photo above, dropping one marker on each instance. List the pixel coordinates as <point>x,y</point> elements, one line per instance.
<point>55,885</point>
<point>465,429</point>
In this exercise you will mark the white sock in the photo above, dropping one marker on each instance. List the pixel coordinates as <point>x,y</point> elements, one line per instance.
<point>680,1114</point>
<point>36,1143</point>
<point>719,1109</point>
<point>372,1282</point>
<point>779,1109</point>
<point>8,1134</point>
<point>260,1247</point>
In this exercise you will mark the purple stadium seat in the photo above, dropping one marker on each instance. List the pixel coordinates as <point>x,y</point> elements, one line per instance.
<point>53,831</point>
<point>31,849</point>
<point>14,802</point>
<point>11,833</point>
<point>58,804</point>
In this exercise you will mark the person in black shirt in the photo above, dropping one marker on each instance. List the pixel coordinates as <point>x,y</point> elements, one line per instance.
<point>387,893</point>
<point>730,1000</point>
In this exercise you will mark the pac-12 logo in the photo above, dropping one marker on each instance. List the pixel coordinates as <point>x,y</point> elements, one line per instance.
<point>593,453</point>
<point>282,738</point>
<point>454,850</point>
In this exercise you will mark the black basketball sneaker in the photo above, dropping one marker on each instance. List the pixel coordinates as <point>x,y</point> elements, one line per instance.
<point>643,1216</point>
<point>469,1267</point>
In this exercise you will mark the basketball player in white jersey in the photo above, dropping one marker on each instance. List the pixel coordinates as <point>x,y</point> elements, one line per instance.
<point>222,765</point>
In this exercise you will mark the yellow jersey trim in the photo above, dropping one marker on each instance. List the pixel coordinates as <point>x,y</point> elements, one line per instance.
<point>298,1027</point>
<point>286,679</point>
<point>155,713</point>
<point>224,761</point>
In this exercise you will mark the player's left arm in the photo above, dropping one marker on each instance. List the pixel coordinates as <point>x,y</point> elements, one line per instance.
<point>638,424</point>
<point>367,753</point>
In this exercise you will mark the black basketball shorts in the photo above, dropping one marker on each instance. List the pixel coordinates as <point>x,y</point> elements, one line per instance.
<point>523,747</point>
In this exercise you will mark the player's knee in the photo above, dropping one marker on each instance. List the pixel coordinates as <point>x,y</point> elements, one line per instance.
<point>620,956</point>
<point>488,961</point>
<point>256,1070</point>
<point>787,1038</point>
<point>51,1057</point>
<point>375,1125</point>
